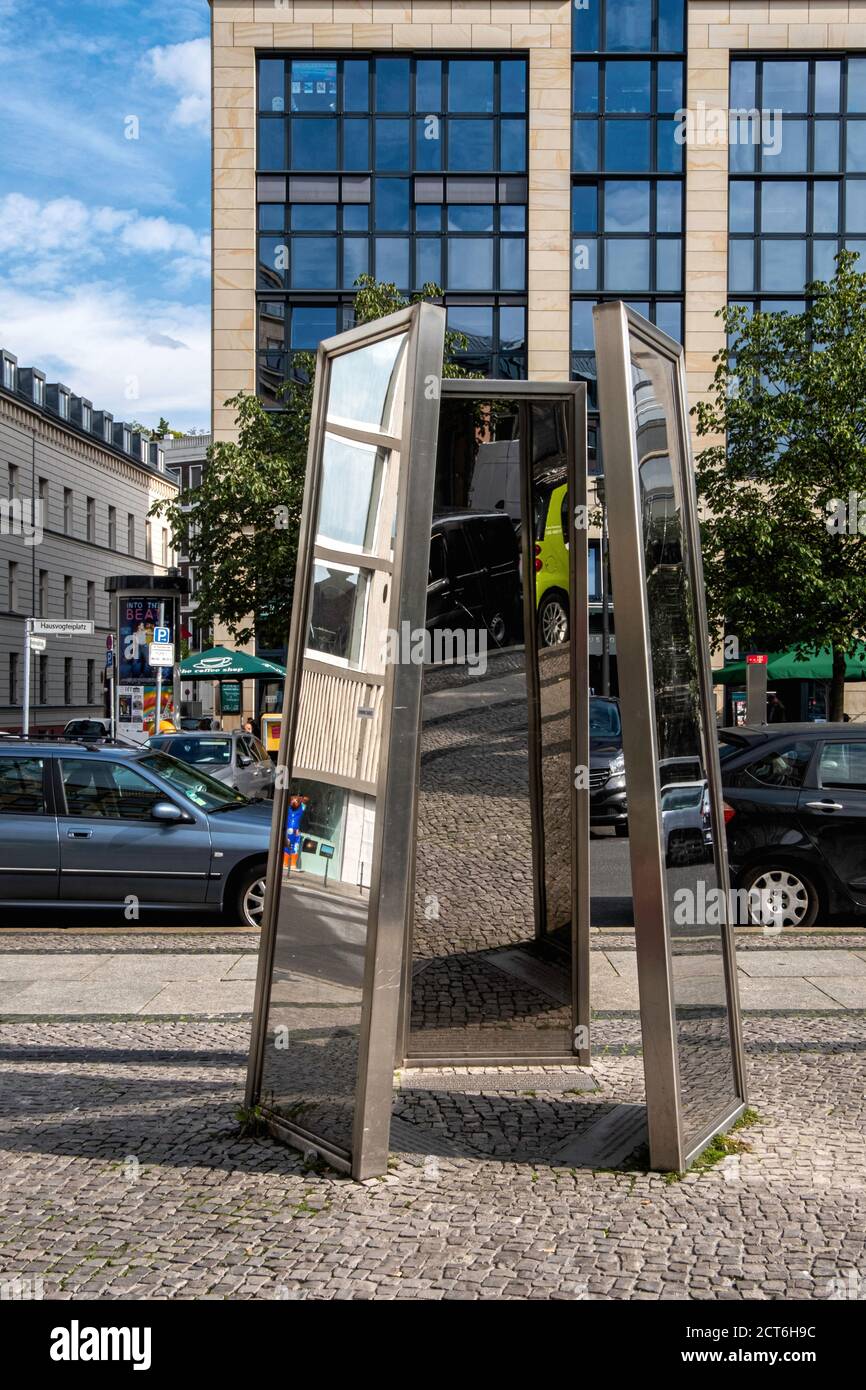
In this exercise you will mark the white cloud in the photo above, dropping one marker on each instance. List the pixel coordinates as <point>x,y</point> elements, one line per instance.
<point>137,358</point>
<point>43,242</point>
<point>185,69</point>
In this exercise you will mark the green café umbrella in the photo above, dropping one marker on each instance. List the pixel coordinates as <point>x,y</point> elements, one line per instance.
<point>220,664</point>
<point>785,666</point>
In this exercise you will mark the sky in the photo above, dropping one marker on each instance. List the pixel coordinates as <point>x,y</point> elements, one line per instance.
<point>105,201</point>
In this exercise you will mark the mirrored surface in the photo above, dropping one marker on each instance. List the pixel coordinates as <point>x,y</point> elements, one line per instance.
<point>695,922</point>
<point>491,966</point>
<point>310,1068</point>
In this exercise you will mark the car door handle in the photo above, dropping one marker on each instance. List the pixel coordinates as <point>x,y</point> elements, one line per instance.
<point>825,806</point>
<point>78,834</point>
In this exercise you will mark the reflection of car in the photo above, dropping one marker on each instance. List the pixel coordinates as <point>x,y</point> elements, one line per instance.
<point>551,564</point>
<point>103,826</point>
<point>686,824</point>
<point>795,812</point>
<point>87,728</point>
<point>607,799</point>
<point>474,576</point>
<point>237,758</point>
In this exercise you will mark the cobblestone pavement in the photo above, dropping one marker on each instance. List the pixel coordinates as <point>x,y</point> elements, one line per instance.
<point>123,1176</point>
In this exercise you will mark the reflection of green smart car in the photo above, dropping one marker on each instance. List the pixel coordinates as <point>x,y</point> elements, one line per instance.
<point>551,563</point>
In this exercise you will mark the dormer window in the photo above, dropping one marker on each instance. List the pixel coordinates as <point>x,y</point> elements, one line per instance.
<point>127,440</point>
<point>107,424</point>
<point>38,389</point>
<point>63,404</point>
<point>9,373</point>
<point>86,417</point>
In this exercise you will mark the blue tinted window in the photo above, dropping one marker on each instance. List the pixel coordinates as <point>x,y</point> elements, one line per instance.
<point>314,263</point>
<point>428,144</point>
<point>392,261</point>
<point>629,26</point>
<point>272,217</point>
<point>827,82</point>
<point>783,264</point>
<point>626,265</point>
<point>312,323</point>
<point>428,218</point>
<point>512,85</point>
<point>825,209</point>
<point>859,249</point>
<point>783,206</point>
<point>512,147</point>
<point>272,82</point>
<point>273,261</point>
<point>855,205</point>
<point>584,264</point>
<point>272,144</point>
<point>512,326</point>
<point>582,336</point>
<point>428,261</point>
<point>671,26</point>
<point>584,207</point>
<point>787,153</point>
<point>355,259</point>
<point>512,217</point>
<point>314,84</point>
<point>356,217</point>
<point>743,83</point>
<point>314,143</point>
<point>470,84</point>
<point>470,144</point>
<point>470,263</point>
<point>356,87</point>
<point>474,320</point>
<point>626,145</point>
<point>741,157</point>
<point>584,146</point>
<point>585,87</point>
<point>786,85</point>
<point>669,150</point>
<point>826,146</point>
<point>669,207</point>
<point>356,144</point>
<point>428,85</point>
<point>670,86</point>
<point>669,318</point>
<point>392,84</point>
<point>392,205</point>
<point>512,263</point>
<point>470,217</point>
<point>669,271</point>
<point>741,265</point>
<point>824,259</point>
<point>392,144</point>
<point>626,205</point>
<point>741,207</point>
<point>314,217</point>
<point>627,86</point>
<point>585,27</point>
<point>855,147</point>
<point>857,84</point>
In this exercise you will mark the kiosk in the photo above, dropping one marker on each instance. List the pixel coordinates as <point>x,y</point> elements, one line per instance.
<point>436,720</point>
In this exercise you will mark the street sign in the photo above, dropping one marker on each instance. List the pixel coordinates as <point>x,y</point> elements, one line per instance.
<point>162,636</point>
<point>109,660</point>
<point>161,653</point>
<point>38,644</point>
<point>62,627</point>
<point>109,642</point>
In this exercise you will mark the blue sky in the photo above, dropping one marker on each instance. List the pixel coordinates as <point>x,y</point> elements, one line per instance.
<point>105,239</point>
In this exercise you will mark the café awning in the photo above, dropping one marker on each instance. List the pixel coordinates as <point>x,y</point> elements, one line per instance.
<point>787,666</point>
<point>219,664</point>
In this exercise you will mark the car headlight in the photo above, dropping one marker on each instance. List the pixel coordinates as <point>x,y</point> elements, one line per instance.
<point>617,767</point>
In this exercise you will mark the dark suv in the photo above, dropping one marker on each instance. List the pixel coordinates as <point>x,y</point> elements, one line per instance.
<point>795,811</point>
<point>474,578</point>
<point>607,796</point>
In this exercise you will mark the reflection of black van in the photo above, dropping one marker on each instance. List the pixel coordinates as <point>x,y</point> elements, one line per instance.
<point>474,577</point>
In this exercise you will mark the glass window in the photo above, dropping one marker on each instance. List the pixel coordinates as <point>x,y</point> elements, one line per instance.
<point>825,208</point>
<point>512,85</point>
<point>356,91</point>
<point>337,611</point>
<point>669,206</point>
<point>356,259</point>
<point>428,144</point>
<point>856,84</point>
<point>470,84</point>
<point>670,86</point>
<point>824,259</point>
<point>626,145</point>
<point>98,789</point>
<point>272,217</point>
<point>272,143</point>
<point>314,143</point>
<point>314,84</point>
<point>585,28</point>
<point>628,25</point>
<point>314,263</point>
<point>855,205</point>
<point>669,272</point>
<point>783,264</point>
<point>512,146</point>
<point>626,264</point>
<point>789,154</point>
<point>741,206</point>
<point>362,382</point>
<point>470,263</point>
<point>584,207</point>
<point>843,765</point>
<point>392,84</point>
<point>855,147</point>
<point>584,266</point>
<point>627,86</point>
<point>197,750</point>
<point>428,261</point>
<point>741,265</point>
<point>512,217</point>
<point>273,262</point>
<point>584,146</point>
<point>473,320</point>
<point>470,217</point>
<point>356,144</point>
<point>470,144</point>
<point>428,217</point>
<point>512,326</point>
<point>314,217</point>
<point>512,263</point>
<point>356,217</point>
<point>626,205</point>
<point>669,318</point>
<point>742,89</point>
<point>350,492</point>
<point>670,25</point>
<point>428,84</point>
<point>827,85</point>
<point>786,85</point>
<point>826,159</point>
<point>392,144</point>
<point>669,150</point>
<point>783,206</point>
<point>311,323</point>
<point>272,82</point>
<point>21,791</point>
<point>585,87</point>
<point>582,337</point>
<point>392,205</point>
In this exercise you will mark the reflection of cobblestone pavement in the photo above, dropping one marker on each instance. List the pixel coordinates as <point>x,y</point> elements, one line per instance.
<point>123,1177</point>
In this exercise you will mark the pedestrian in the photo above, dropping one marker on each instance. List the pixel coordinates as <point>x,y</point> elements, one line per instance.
<point>775,711</point>
<point>249,727</point>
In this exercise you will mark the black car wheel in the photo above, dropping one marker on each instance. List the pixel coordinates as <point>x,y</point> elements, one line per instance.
<point>497,629</point>
<point>553,620</point>
<point>787,898</point>
<point>250,899</point>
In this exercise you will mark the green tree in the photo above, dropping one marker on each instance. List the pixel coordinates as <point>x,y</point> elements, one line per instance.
<point>784,558</point>
<point>240,527</point>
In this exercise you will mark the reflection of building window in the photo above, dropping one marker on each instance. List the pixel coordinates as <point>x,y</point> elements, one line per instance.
<point>338,602</point>
<point>324,821</point>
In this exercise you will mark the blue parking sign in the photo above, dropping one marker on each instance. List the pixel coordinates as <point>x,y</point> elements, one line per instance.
<point>161,634</point>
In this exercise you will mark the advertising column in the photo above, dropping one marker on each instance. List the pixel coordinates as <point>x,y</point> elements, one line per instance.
<point>145,611</point>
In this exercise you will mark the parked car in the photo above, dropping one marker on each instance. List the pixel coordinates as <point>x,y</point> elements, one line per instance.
<point>686,824</point>
<point>473,581</point>
<point>87,728</point>
<point>607,797</point>
<point>90,826</point>
<point>551,563</point>
<point>234,757</point>
<point>795,812</point>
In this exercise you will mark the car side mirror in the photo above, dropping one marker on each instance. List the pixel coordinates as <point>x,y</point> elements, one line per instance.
<point>243,760</point>
<point>167,812</point>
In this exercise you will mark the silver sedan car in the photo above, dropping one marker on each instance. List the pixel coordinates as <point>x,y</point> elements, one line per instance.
<point>234,757</point>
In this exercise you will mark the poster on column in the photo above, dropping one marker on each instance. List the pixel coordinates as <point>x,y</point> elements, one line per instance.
<point>138,616</point>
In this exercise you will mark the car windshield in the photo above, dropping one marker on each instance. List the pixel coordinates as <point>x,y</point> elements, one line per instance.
<point>729,746</point>
<point>681,798</point>
<point>203,791</point>
<point>604,718</point>
<point>200,750</point>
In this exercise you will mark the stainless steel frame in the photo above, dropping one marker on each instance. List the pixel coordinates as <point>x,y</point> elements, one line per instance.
<point>395,787</point>
<point>573,394</point>
<point>615,326</point>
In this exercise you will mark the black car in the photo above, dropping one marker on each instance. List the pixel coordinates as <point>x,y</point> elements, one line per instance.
<point>607,799</point>
<point>795,812</point>
<point>473,583</point>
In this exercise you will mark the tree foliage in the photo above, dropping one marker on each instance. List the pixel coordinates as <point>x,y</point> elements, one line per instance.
<point>784,558</point>
<point>240,526</point>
